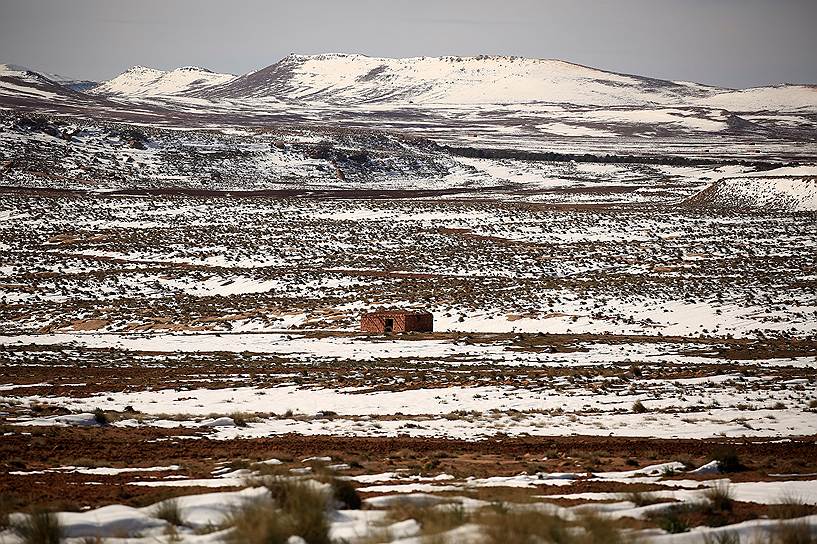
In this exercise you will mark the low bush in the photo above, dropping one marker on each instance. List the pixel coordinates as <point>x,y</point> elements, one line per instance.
<point>722,538</point>
<point>528,526</point>
<point>169,511</point>
<point>793,533</point>
<point>259,522</point>
<point>642,499</point>
<point>38,528</point>
<point>302,508</point>
<point>101,417</point>
<point>790,508</point>
<point>672,519</point>
<point>345,494</point>
<point>720,498</point>
<point>728,460</point>
<point>432,519</point>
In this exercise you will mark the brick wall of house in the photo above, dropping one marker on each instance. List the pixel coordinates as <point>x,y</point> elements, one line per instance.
<point>402,322</point>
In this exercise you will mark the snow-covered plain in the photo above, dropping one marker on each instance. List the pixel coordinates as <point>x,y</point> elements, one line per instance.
<point>206,516</point>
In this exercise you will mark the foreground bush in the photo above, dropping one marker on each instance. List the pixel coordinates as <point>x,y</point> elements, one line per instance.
<point>293,509</point>
<point>529,527</point>
<point>170,512</point>
<point>38,528</point>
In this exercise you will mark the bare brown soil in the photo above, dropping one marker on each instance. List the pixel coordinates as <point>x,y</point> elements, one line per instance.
<point>43,448</point>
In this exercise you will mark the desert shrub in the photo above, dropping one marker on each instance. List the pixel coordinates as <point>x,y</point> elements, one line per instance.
<point>668,472</point>
<point>101,417</point>
<point>642,499</point>
<point>346,494</point>
<point>639,408</point>
<point>598,529</point>
<point>671,519</point>
<point>303,508</point>
<point>790,508</point>
<point>432,519</point>
<point>38,528</point>
<point>266,470</point>
<point>792,533</point>
<point>242,419</point>
<point>5,511</point>
<point>722,538</point>
<point>258,522</point>
<point>720,498</point>
<point>528,526</point>
<point>812,404</point>
<point>728,460</point>
<point>169,511</point>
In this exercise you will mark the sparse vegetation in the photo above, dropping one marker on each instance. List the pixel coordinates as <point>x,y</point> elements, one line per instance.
<point>672,519</point>
<point>528,526</point>
<point>170,511</point>
<point>793,532</point>
<point>728,537</point>
<point>642,499</point>
<point>101,417</point>
<point>299,508</point>
<point>720,498</point>
<point>790,508</point>
<point>432,519</point>
<point>38,528</point>
<point>728,460</point>
<point>345,494</point>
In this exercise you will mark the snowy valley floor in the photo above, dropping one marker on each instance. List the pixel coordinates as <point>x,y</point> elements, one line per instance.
<point>624,358</point>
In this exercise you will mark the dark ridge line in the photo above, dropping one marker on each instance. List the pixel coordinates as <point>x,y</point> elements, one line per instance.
<point>551,156</point>
<point>370,194</point>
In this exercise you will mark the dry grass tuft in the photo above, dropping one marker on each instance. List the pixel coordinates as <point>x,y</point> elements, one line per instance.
<point>528,526</point>
<point>640,498</point>
<point>432,519</point>
<point>722,538</point>
<point>790,508</point>
<point>793,533</point>
<point>720,498</point>
<point>294,509</point>
<point>169,511</point>
<point>38,528</point>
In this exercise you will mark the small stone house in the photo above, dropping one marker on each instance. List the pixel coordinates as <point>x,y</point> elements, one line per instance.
<point>389,321</point>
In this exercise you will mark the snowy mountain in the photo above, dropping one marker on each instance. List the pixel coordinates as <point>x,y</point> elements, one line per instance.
<point>140,81</point>
<point>21,83</point>
<point>485,101</point>
<point>354,79</point>
<point>74,84</point>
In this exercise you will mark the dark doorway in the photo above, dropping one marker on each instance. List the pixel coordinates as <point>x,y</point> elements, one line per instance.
<point>389,326</point>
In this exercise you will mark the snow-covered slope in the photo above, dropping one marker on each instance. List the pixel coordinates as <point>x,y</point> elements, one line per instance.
<point>776,98</point>
<point>140,81</point>
<point>341,78</point>
<point>74,84</point>
<point>25,84</point>
<point>788,188</point>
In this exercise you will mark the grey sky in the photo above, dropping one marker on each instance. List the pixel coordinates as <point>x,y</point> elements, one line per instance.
<point>736,43</point>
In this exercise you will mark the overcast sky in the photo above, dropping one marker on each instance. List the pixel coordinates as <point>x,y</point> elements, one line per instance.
<point>735,43</point>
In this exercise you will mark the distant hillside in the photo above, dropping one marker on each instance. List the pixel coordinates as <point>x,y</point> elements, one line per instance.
<point>141,81</point>
<point>339,78</point>
<point>783,189</point>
